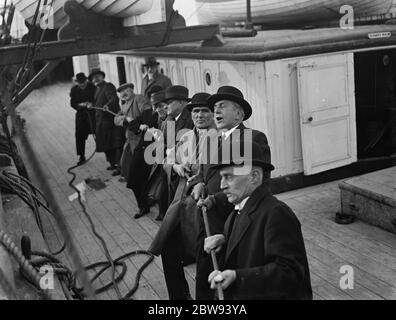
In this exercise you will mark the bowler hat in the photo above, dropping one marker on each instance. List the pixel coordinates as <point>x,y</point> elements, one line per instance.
<point>94,72</point>
<point>176,93</point>
<point>158,97</point>
<point>198,100</point>
<point>232,94</point>
<point>150,61</point>
<point>81,77</point>
<point>259,156</point>
<point>125,86</point>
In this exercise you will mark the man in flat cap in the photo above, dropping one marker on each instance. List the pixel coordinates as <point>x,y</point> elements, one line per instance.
<point>110,139</point>
<point>80,96</point>
<point>131,107</point>
<point>153,77</point>
<point>230,110</point>
<point>262,248</point>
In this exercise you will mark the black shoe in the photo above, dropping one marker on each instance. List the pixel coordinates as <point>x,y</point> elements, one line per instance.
<point>117,172</point>
<point>81,160</point>
<point>142,212</point>
<point>111,168</point>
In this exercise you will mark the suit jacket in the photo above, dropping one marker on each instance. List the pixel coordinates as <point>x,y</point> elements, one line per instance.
<point>183,210</point>
<point>266,248</point>
<point>188,150</point>
<point>183,122</point>
<point>159,80</point>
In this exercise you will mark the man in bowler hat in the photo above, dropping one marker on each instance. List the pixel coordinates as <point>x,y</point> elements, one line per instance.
<point>80,96</point>
<point>262,248</point>
<point>178,118</point>
<point>230,110</point>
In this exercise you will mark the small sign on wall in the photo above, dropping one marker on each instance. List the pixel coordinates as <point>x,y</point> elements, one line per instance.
<point>379,35</point>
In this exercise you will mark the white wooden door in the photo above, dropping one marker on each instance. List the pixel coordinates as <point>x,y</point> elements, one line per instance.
<point>327,112</point>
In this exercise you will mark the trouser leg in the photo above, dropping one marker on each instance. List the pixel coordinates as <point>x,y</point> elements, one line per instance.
<point>118,155</point>
<point>80,143</point>
<point>110,156</point>
<point>173,268</point>
<point>163,201</point>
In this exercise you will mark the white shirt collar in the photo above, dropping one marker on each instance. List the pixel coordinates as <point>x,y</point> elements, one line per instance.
<point>178,116</point>
<point>241,205</point>
<point>226,134</point>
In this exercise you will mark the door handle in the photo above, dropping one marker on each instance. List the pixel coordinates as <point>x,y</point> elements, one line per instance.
<point>308,120</point>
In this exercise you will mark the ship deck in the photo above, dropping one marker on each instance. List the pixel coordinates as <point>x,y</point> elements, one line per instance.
<point>50,126</point>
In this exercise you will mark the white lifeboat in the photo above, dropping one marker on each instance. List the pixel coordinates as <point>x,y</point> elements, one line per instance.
<point>276,12</point>
<point>113,8</point>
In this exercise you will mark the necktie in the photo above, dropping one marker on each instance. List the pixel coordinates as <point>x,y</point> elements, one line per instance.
<point>220,140</point>
<point>234,224</point>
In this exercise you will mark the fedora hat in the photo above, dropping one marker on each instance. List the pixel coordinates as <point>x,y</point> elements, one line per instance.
<point>125,86</point>
<point>154,89</point>
<point>94,72</point>
<point>176,93</point>
<point>80,77</point>
<point>150,61</point>
<point>232,94</point>
<point>158,97</point>
<point>198,100</point>
<point>260,156</point>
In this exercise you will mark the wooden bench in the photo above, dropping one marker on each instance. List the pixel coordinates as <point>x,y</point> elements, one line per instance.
<point>372,198</point>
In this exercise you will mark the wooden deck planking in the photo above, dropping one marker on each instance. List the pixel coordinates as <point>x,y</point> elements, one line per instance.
<point>368,249</point>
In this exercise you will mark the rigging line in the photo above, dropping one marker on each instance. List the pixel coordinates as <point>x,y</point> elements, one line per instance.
<point>27,193</point>
<point>31,33</point>
<point>88,217</point>
<point>111,263</point>
<point>59,218</point>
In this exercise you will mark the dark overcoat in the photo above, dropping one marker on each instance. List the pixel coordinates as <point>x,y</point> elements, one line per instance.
<point>266,248</point>
<point>217,215</point>
<point>85,119</point>
<point>108,135</point>
<point>138,167</point>
<point>159,80</point>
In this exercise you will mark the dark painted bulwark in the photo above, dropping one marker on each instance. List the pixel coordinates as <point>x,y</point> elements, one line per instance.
<point>279,44</point>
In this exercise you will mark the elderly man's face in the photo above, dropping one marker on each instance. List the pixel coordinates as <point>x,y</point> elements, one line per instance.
<point>236,187</point>
<point>97,79</point>
<point>226,115</point>
<point>175,107</point>
<point>126,94</point>
<point>202,117</point>
<point>162,110</point>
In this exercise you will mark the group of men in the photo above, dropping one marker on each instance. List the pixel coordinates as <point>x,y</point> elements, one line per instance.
<point>209,162</point>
